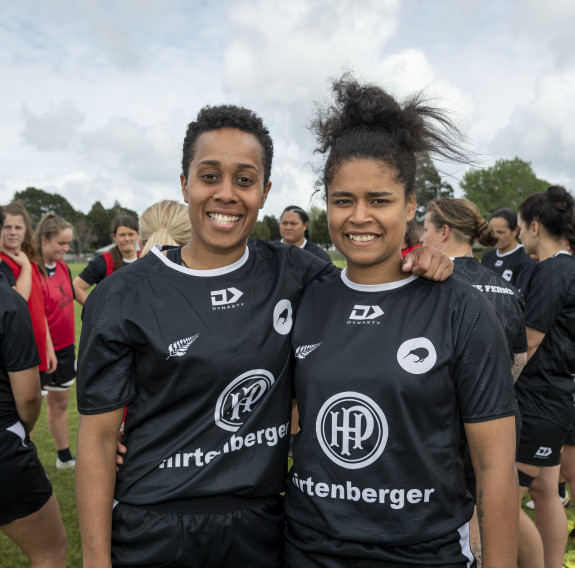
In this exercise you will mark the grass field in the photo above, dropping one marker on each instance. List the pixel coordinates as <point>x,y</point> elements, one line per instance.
<point>63,481</point>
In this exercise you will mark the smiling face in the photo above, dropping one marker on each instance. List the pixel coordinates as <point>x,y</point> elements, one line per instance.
<point>126,239</point>
<point>506,236</point>
<point>55,248</point>
<point>13,233</point>
<point>224,191</point>
<point>292,228</point>
<point>367,215</point>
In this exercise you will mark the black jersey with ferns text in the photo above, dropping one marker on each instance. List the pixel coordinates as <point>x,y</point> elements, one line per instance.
<point>18,350</point>
<point>546,387</point>
<point>504,298</point>
<point>384,375</point>
<point>202,360</point>
<point>515,266</point>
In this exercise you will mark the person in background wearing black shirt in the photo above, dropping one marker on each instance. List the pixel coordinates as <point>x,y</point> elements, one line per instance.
<point>124,252</point>
<point>387,367</point>
<point>545,389</point>
<point>293,229</point>
<point>508,258</point>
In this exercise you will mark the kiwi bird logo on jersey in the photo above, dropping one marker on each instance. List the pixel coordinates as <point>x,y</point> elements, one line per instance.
<point>351,429</point>
<point>241,398</point>
<point>179,348</point>
<point>283,320</point>
<point>417,356</point>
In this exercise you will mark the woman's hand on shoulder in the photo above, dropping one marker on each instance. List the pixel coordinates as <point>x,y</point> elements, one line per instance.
<point>20,258</point>
<point>428,262</point>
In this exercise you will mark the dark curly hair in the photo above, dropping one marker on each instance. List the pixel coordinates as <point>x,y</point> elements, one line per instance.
<point>366,122</point>
<point>228,116</point>
<point>554,209</point>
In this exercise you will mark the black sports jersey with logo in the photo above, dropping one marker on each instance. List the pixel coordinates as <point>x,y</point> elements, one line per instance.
<point>202,359</point>
<point>546,387</point>
<point>504,298</point>
<point>384,375</point>
<point>17,348</point>
<point>515,266</point>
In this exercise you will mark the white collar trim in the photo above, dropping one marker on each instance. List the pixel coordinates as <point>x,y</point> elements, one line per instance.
<point>508,253</point>
<point>202,273</point>
<point>375,287</point>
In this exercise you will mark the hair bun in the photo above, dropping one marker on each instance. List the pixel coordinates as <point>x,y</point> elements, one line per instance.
<point>367,117</point>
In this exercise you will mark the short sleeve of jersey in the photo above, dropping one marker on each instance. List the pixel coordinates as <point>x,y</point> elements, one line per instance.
<point>105,378</point>
<point>18,348</point>
<point>542,308</point>
<point>482,372</point>
<point>7,274</point>
<point>95,271</point>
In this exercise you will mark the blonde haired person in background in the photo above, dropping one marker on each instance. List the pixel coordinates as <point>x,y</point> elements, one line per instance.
<point>166,222</point>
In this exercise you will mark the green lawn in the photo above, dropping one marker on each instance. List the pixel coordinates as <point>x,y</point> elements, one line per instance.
<point>63,481</point>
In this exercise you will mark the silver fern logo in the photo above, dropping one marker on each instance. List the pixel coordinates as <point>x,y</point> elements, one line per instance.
<point>304,350</point>
<point>179,348</point>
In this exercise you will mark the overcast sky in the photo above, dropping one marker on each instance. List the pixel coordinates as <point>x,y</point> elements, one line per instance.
<point>97,95</point>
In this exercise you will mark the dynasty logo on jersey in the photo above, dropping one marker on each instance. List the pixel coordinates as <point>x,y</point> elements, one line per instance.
<point>362,315</point>
<point>304,350</point>
<point>179,348</point>
<point>241,397</point>
<point>351,429</point>
<point>226,299</point>
<point>417,356</point>
<point>283,320</point>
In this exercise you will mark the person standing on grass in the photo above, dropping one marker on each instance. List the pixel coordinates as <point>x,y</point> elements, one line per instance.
<point>53,238</point>
<point>195,341</point>
<point>294,231</point>
<point>124,252</point>
<point>29,512</point>
<point>545,389</point>
<point>387,366</point>
<point>20,267</point>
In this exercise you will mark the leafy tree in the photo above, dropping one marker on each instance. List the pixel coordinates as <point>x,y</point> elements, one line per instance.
<point>260,231</point>
<point>39,202</point>
<point>428,185</point>
<point>100,220</point>
<point>318,229</point>
<point>274,227</point>
<point>84,236</point>
<point>505,184</point>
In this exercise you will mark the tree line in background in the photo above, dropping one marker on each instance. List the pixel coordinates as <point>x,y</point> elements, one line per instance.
<point>505,184</point>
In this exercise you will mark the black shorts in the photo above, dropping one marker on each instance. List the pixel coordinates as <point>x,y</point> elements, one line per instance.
<point>541,442</point>
<point>249,537</point>
<point>307,547</point>
<point>24,485</point>
<point>570,439</point>
<point>63,377</point>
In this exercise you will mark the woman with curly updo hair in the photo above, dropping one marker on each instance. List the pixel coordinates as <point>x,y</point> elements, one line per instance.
<point>388,366</point>
<point>545,389</point>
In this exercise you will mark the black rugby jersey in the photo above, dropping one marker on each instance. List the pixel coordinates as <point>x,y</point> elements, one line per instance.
<point>17,348</point>
<point>515,266</point>
<point>383,377</point>
<point>504,298</point>
<point>202,359</point>
<point>546,386</point>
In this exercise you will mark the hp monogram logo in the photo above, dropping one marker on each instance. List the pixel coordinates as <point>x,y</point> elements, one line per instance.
<point>241,397</point>
<point>351,430</point>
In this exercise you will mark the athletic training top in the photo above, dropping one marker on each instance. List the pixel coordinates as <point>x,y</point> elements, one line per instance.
<point>384,376</point>
<point>545,388</point>
<point>515,266</point>
<point>312,249</point>
<point>35,306</point>
<point>58,294</point>
<point>504,298</point>
<point>202,359</point>
<point>100,267</point>
<point>18,350</point>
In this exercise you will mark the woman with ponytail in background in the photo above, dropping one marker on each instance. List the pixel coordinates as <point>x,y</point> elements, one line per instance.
<point>125,235</point>
<point>388,365</point>
<point>166,223</point>
<point>545,389</point>
<point>53,238</point>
